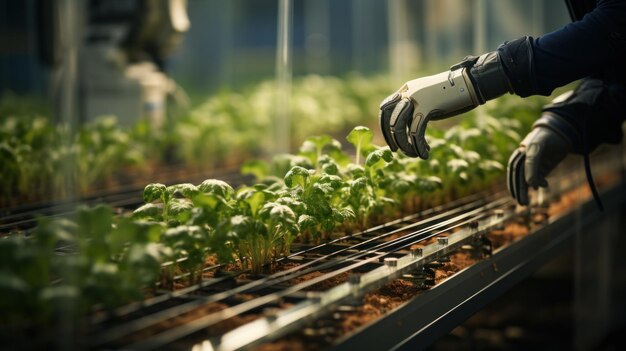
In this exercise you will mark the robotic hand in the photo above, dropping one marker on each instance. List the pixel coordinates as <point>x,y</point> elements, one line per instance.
<point>405,114</point>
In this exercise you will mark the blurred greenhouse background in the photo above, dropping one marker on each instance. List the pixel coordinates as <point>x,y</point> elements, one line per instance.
<point>97,94</point>
<point>234,42</point>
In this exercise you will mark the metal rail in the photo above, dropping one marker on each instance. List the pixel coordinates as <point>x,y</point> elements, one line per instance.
<point>393,245</point>
<point>300,314</point>
<point>282,322</point>
<point>135,325</point>
<point>420,321</point>
<point>434,214</point>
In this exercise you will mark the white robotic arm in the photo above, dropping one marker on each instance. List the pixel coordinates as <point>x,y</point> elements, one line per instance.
<point>405,114</point>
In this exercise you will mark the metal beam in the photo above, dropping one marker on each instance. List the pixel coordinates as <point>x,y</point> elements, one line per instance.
<point>432,314</point>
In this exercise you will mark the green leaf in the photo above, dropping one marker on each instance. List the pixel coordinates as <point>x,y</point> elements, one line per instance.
<point>387,201</point>
<point>177,207</point>
<point>401,186</point>
<point>344,214</point>
<point>129,230</point>
<point>254,199</point>
<point>216,187</point>
<point>187,190</point>
<point>471,156</point>
<point>149,210</point>
<point>329,165</point>
<point>259,169</point>
<point>385,155</point>
<point>361,137</point>
<point>313,147</point>
<point>491,166</point>
<point>211,201</point>
<point>153,192</point>
<point>277,212</point>
<point>245,227</point>
<point>320,141</point>
<point>347,213</point>
<point>335,152</point>
<point>305,222</point>
<point>308,149</point>
<point>334,181</point>
<point>470,133</point>
<point>271,183</point>
<point>457,165</point>
<point>94,222</point>
<point>330,168</point>
<point>295,205</point>
<point>281,164</point>
<point>358,184</point>
<point>297,176</point>
<point>430,183</point>
<point>372,158</point>
<point>355,171</point>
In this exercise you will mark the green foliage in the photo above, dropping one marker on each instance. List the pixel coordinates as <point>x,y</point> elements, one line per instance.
<point>113,260</point>
<point>305,197</point>
<point>216,187</point>
<point>259,169</point>
<point>361,138</point>
<point>39,157</point>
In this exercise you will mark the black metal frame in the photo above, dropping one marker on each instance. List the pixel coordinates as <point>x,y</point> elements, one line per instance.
<point>421,321</point>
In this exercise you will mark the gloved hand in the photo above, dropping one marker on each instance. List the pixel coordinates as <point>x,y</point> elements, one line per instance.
<point>405,114</point>
<point>538,154</point>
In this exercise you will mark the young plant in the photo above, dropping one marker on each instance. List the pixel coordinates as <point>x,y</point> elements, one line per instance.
<point>189,243</point>
<point>361,138</point>
<point>320,148</point>
<point>364,193</point>
<point>314,198</point>
<point>171,204</point>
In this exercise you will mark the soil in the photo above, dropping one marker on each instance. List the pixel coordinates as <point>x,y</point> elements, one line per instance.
<point>569,200</point>
<point>515,230</point>
<point>397,292</point>
<point>380,302</point>
<point>377,304</point>
<point>285,266</point>
<point>291,343</point>
<point>214,330</point>
<point>458,261</point>
<point>512,232</point>
<point>212,261</point>
<point>182,319</point>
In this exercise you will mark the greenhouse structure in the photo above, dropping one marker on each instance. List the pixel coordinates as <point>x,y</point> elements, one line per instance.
<point>312,174</point>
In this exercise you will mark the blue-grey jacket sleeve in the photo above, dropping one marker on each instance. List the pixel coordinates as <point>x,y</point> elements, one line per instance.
<point>594,46</point>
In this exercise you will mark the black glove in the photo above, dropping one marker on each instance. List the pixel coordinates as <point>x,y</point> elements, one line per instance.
<point>539,153</point>
<point>575,122</point>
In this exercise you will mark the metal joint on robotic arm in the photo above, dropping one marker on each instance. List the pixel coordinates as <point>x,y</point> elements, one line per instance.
<point>405,114</point>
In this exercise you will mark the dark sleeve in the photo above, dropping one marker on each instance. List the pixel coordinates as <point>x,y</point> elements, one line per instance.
<point>595,111</point>
<point>592,46</point>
